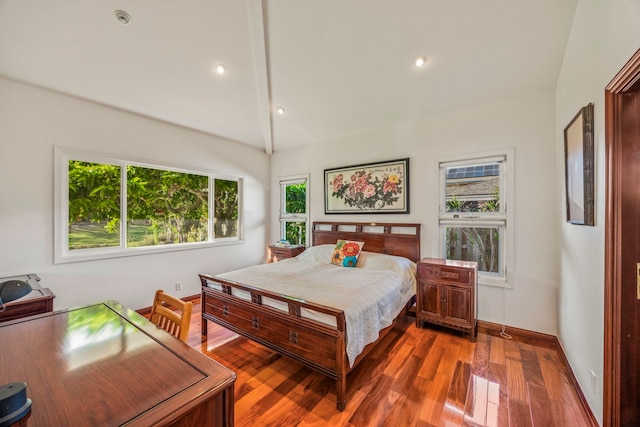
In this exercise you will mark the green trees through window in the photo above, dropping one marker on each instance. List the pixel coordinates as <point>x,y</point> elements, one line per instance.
<point>296,203</point>
<point>94,205</point>
<point>162,206</point>
<point>293,211</point>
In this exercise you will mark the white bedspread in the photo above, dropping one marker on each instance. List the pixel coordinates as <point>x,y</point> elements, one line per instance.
<point>370,298</point>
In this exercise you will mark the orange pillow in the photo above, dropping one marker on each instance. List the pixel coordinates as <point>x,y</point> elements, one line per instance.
<point>346,253</point>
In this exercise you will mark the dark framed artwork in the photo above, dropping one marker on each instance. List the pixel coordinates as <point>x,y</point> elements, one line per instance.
<point>381,187</point>
<point>579,167</point>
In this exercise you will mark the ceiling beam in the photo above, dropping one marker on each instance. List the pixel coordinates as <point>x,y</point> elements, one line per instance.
<point>257,26</point>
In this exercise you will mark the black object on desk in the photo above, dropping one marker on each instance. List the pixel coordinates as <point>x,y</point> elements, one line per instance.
<point>12,290</point>
<point>13,403</point>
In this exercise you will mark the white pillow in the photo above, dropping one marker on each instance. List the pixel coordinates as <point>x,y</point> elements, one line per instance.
<point>375,261</point>
<point>370,260</point>
<point>317,253</point>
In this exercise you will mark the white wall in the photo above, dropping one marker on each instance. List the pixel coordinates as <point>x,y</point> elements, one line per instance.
<point>605,34</point>
<point>33,120</point>
<point>525,124</point>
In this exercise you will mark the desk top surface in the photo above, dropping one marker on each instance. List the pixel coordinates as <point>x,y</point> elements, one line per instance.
<point>104,364</point>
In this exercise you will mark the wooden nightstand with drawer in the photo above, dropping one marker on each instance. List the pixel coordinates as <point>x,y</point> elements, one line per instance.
<point>278,253</point>
<point>447,294</point>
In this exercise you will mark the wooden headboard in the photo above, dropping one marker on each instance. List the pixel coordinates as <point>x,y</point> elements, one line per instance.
<point>400,239</point>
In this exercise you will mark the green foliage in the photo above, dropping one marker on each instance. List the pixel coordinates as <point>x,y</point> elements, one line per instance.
<point>226,208</point>
<point>172,206</point>
<point>454,205</point>
<point>94,192</point>
<point>296,232</point>
<point>296,198</point>
<point>296,203</point>
<point>492,205</point>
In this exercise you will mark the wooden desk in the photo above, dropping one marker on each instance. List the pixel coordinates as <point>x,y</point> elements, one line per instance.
<point>106,365</point>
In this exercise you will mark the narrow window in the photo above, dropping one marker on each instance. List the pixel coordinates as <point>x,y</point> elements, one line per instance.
<point>473,214</point>
<point>294,208</point>
<point>226,208</point>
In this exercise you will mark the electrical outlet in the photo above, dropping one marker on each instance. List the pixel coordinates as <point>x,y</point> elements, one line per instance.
<point>179,288</point>
<point>593,382</point>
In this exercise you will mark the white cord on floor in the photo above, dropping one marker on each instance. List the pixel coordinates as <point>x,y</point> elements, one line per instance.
<point>505,335</point>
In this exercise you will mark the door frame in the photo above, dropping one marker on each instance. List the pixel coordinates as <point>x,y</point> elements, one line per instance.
<point>622,83</point>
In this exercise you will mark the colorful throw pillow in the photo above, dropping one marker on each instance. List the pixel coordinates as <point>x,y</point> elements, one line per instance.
<point>346,253</point>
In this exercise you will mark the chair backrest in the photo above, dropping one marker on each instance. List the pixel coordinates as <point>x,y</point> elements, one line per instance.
<point>164,315</point>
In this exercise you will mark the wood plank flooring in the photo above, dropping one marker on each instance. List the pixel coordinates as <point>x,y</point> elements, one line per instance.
<point>413,377</point>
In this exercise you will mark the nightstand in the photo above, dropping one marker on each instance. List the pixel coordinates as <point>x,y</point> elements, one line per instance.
<point>447,294</point>
<point>278,253</point>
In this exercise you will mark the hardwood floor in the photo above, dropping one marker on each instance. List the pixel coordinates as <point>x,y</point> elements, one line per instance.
<point>414,377</point>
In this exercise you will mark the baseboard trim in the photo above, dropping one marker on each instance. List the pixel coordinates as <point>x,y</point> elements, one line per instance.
<point>576,386</point>
<point>146,310</point>
<point>521,335</point>
<point>524,335</point>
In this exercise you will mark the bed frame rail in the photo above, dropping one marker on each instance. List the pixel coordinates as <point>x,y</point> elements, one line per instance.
<point>318,345</point>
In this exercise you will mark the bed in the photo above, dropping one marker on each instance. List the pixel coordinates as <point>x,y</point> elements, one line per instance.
<point>298,306</point>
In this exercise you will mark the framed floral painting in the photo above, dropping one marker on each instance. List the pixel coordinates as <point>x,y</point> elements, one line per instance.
<point>381,187</point>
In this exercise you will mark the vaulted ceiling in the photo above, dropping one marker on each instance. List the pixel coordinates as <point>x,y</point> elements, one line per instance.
<point>335,66</point>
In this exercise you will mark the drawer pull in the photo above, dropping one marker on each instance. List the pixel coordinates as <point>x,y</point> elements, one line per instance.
<point>448,275</point>
<point>225,310</point>
<point>255,322</point>
<point>293,337</point>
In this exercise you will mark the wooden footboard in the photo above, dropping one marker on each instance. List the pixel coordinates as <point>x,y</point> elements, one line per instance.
<point>312,343</point>
<point>315,344</point>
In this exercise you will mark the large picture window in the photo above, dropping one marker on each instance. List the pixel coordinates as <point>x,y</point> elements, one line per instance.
<point>473,214</point>
<point>294,210</point>
<point>108,207</point>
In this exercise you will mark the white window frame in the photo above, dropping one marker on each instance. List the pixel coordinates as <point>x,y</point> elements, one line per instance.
<point>286,217</point>
<point>62,254</point>
<point>502,220</point>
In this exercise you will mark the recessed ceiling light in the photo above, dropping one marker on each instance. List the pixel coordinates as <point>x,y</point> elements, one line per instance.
<point>280,110</point>
<point>220,69</point>
<point>420,61</point>
<point>122,17</point>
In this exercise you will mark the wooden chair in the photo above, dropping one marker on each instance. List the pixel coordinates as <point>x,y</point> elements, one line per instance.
<point>164,315</point>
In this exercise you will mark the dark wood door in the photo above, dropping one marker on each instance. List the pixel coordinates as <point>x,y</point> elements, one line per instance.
<point>622,248</point>
<point>630,259</point>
